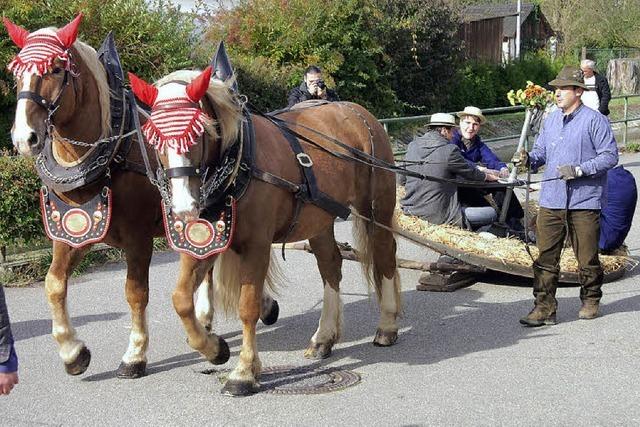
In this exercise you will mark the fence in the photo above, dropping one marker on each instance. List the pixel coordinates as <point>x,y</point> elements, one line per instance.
<point>502,110</point>
<point>603,56</point>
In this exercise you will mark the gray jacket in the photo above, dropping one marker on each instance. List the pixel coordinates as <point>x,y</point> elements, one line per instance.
<point>433,201</point>
<point>8,359</point>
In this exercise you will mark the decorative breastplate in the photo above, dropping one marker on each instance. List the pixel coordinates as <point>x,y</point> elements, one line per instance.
<point>210,234</point>
<point>76,226</point>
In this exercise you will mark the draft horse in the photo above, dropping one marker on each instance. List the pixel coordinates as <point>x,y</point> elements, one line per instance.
<point>195,121</point>
<point>73,114</point>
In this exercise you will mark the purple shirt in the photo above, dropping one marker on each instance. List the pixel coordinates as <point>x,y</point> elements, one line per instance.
<point>583,138</point>
<point>479,153</point>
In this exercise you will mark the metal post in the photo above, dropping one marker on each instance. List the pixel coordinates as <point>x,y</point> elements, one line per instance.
<point>386,129</point>
<point>626,124</point>
<point>583,55</point>
<point>519,10</point>
<point>514,172</point>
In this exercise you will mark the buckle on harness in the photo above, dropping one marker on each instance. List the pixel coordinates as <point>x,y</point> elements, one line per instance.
<point>304,160</point>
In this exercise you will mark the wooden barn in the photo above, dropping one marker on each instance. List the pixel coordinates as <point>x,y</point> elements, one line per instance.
<point>489,31</point>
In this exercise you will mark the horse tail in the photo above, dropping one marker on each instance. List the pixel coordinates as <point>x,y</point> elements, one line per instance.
<point>227,279</point>
<point>376,250</point>
<point>374,223</point>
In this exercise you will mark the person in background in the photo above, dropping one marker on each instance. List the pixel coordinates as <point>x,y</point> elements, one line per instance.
<point>437,202</point>
<point>617,211</point>
<point>312,87</point>
<point>477,153</point>
<point>578,148</point>
<point>8,357</point>
<point>598,93</point>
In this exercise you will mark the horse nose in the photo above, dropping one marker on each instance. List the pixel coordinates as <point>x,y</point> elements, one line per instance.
<point>33,140</point>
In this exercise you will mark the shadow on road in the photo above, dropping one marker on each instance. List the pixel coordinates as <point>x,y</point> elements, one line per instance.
<point>435,327</point>
<point>39,327</point>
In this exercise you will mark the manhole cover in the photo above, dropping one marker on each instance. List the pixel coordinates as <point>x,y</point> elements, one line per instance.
<point>299,380</point>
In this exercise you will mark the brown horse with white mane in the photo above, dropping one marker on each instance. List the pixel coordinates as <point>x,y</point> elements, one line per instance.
<point>194,123</point>
<point>96,187</point>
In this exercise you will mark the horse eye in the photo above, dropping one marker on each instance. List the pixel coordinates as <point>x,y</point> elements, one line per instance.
<point>56,70</point>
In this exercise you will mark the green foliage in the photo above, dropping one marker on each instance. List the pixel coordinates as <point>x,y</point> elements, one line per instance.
<point>632,147</point>
<point>271,42</point>
<point>391,57</point>
<point>153,38</point>
<point>419,38</point>
<point>19,213</point>
<point>486,85</point>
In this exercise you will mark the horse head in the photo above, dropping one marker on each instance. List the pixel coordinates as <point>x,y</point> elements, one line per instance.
<point>47,71</point>
<point>183,130</point>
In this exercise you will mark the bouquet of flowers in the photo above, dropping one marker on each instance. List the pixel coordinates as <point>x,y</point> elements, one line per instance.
<point>537,100</point>
<point>532,96</point>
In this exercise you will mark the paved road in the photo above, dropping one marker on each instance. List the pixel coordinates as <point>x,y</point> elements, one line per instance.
<point>461,359</point>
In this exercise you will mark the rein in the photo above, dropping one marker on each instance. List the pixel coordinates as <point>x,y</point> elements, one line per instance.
<point>49,106</point>
<point>360,156</point>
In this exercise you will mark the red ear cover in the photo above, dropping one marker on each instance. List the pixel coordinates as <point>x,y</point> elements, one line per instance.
<point>198,87</point>
<point>144,91</point>
<point>69,32</point>
<point>17,33</point>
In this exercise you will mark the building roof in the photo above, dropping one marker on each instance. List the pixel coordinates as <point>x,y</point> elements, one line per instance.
<point>505,11</point>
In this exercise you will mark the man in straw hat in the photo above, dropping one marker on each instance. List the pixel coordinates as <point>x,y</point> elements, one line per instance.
<point>437,202</point>
<point>577,146</point>
<point>477,153</point>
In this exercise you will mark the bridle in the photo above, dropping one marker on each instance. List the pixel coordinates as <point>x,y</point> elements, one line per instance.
<point>184,171</point>
<point>38,99</point>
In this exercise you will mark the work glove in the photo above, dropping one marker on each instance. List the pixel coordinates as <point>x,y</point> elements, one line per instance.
<point>521,157</point>
<point>504,173</point>
<point>568,172</point>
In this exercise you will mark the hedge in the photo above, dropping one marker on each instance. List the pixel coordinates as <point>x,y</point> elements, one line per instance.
<point>20,221</point>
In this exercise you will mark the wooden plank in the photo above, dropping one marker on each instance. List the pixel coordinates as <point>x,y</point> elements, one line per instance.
<point>445,282</point>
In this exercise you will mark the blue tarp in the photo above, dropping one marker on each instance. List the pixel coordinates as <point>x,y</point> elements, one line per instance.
<point>617,213</point>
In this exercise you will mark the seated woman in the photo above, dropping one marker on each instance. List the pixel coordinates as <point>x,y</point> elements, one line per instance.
<point>437,202</point>
<point>477,153</point>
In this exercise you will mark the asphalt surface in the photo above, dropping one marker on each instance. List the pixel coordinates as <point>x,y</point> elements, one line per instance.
<point>461,358</point>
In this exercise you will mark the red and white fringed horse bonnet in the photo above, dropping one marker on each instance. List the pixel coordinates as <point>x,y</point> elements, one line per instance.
<point>39,50</point>
<point>176,121</point>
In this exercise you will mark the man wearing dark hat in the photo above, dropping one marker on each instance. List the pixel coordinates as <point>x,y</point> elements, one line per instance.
<point>437,202</point>
<point>578,148</point>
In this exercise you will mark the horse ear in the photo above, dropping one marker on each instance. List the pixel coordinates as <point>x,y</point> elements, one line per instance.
<point>198,87</point>
<point>17,33</point>
<point>144,91</point>
<point>69,32</point>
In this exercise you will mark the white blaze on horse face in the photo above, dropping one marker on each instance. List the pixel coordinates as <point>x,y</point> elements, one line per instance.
<point>183,203</point>
<point>21,132</point>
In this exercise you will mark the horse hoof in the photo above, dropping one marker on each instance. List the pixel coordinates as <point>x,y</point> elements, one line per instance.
<point>223,352</point>
<point>239,388</point>
<point>131,370</point>
<point>81,363</point>
<point>385,339</point>
<point>317,351</point>
<point>271,317</point>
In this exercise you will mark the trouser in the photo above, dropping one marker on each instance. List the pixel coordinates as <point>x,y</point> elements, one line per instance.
<point>475,217</point>
<point>584,231</point>
<point>475,197</point>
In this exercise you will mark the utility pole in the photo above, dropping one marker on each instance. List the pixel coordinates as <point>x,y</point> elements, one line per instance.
<point>519,9</point>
